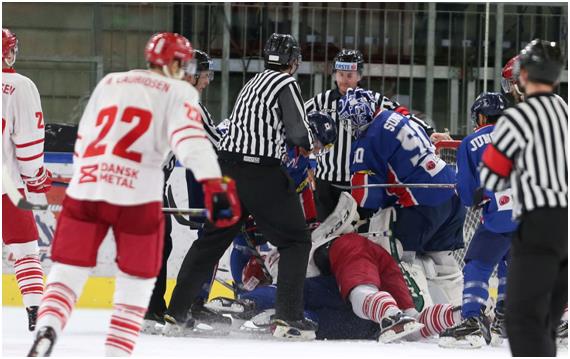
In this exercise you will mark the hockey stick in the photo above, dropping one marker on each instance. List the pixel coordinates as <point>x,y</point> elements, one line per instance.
<point>181,220</point>
<point>21,202</point>
<point>398,185</point>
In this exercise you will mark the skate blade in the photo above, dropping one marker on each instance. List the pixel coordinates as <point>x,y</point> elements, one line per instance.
<point>284,332</point>
<point>41,349</point>
<point>399,331</point>
<point>469,342</point>
<point>199,330</point>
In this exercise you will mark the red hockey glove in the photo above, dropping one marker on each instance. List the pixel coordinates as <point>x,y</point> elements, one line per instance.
<point>222,203</point>
<point>40,183</point>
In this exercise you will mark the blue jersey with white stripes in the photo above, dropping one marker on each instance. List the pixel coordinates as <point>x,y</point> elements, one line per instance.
<point>397,150</point>
<point>497,212</point>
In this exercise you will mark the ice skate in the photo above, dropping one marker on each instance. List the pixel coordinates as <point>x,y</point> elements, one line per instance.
<point>562,334</point>
<point>259,324</point>
<point>208,319</point>
<point>471,333</point>
<point>498,332</point>
<point>304,329</point>
<point>152,324</point>
<point>397,326</point>
<point>239,308</point>
<point>43,344</point>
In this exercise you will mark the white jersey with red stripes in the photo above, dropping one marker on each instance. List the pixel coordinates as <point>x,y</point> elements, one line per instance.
<point>22,127</point>
<point>131,122</point>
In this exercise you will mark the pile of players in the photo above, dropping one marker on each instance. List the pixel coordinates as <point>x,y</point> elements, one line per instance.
<point>380,266</point>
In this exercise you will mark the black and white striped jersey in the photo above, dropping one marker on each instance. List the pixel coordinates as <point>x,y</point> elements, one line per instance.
<point>529,151</point>
<point>210,126</point>
<point>267,115</point>
<point>334,166</point>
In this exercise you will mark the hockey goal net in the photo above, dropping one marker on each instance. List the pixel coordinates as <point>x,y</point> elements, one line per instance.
<point>447,151</point>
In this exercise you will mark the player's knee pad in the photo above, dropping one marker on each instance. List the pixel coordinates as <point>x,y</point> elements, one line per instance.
<point>445,280</point>
<point>74,277</point>
<point>21,250</point>
<point>133,290</point>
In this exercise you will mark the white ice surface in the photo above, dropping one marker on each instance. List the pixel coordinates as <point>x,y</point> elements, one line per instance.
<point>84,336</point>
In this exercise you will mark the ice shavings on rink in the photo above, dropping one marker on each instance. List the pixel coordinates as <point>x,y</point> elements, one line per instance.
<point>85,334</point>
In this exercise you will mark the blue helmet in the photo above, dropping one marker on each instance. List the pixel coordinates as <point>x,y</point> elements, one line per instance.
<point>324,130</point>
<point>488,104</point>
<point>355,110</point>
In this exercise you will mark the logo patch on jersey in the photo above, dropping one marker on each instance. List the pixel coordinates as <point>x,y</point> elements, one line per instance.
<point>88,173</point>
<point>346,66</point>
<point>430,165</point>
<point>503,200</point>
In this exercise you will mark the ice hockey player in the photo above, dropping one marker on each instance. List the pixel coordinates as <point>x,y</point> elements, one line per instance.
<point>131,122</point>
<point>334,167</point>
<point>378,306</point>
<point>23,160</point>
<point>492,239</point>
<point>389,148</point>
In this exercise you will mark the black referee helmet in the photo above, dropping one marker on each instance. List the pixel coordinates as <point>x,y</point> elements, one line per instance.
<point>281,50</point>
<point>349,60</point>
<point>543,61</point>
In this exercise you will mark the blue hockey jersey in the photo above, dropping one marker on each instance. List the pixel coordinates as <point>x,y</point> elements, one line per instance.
<point>497,213</point>
<point>397,150</point>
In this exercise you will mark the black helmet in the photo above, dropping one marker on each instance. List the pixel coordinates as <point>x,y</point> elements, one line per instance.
<point>543,61</point>
<point>349,60</point>
<point>281,50</point>
<point>203,61</point>
<point>203,64</point>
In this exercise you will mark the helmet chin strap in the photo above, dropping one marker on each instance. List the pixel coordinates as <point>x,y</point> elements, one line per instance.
<point>521,94</point>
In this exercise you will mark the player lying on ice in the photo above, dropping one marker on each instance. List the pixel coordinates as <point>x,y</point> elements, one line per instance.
<point>354,288</point>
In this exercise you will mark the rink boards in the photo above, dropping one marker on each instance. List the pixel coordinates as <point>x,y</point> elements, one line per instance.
<point>98,292</point>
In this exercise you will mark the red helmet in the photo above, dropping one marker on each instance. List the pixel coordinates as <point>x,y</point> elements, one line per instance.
<point>510,74</point>
<point>165,47</point>
<point>9,42</point>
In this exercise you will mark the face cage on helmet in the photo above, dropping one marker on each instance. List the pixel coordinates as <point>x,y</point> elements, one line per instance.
<point>209,72</point>
<point>14,51</point>
<point>507,85</point>
<point>322,149</point>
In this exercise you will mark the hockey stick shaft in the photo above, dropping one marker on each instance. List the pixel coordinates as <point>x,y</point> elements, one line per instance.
<point>21,202</point>
<point>398,185</point>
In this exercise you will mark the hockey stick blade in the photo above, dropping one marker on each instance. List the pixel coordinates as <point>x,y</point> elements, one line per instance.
<point>398,185</point>
<point>181,220</point>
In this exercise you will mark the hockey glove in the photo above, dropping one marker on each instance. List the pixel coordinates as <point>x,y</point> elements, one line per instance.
<point>222,203</point>
<point>40,183</point>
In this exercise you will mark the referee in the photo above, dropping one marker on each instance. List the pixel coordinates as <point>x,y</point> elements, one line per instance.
<point>529,149</point>
<point>334,166</point>
<point>268,114</point>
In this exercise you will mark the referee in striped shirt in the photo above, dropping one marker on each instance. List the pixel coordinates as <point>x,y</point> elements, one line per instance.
<point>529,149</point>
<point>334,166</point>
<point>267,115</point>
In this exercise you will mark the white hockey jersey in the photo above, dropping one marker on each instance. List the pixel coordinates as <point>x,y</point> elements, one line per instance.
<point>22,127</point>
<point>130,123</point>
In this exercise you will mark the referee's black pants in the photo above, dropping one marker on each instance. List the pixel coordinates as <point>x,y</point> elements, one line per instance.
<point>326,197</point>
<point>537,282</point>
<point>267,193</point>
<point>157,305</point>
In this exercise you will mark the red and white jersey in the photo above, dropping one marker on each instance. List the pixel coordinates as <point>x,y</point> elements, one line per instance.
<point>131,122</point>
<point>22,127</point>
